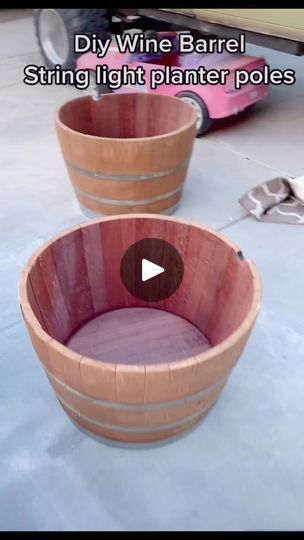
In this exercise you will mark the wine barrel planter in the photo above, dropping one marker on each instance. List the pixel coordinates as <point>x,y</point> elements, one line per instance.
<point>127,153</point>
<point>124,369</point>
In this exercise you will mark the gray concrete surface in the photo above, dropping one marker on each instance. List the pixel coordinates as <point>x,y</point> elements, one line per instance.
<point>243,467</point>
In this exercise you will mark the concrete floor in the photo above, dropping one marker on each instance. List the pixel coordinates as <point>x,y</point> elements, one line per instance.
<point>243,467</point>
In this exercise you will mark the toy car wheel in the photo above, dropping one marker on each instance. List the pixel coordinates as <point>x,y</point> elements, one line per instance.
<point>96,90</point>
<point>203,119</point>
<point>55,30</point>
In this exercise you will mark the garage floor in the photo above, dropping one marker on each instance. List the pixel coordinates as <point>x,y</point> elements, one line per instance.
<point>243,467</point>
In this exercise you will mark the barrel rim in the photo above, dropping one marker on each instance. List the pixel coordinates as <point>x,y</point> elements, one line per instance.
<point>163,136</point>
<point>215,351</point>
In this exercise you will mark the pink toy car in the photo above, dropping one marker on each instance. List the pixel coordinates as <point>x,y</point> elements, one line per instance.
<point>211,101</point>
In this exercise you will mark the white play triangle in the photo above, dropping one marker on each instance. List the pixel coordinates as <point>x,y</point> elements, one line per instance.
<point>150,270</point>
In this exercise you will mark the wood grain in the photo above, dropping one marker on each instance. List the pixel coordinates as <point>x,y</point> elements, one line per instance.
<point>166,360</point>
<point>138,336</point>
<point>127,147</point>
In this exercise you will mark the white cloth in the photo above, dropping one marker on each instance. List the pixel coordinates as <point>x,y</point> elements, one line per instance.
<point>297,187</point>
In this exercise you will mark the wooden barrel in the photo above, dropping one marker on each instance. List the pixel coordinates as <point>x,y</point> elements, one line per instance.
<point>124,369</point>
<point>127,153</point>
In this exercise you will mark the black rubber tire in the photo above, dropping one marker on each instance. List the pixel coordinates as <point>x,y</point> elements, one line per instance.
<point>206,120</point>
<point>83,21</point>
<point>250,107</point>
<point>146,24</point>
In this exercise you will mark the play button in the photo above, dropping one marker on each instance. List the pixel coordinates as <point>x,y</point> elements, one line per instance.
<point>152,269</point>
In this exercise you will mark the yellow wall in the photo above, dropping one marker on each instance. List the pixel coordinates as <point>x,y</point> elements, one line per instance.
<point>288,23</point>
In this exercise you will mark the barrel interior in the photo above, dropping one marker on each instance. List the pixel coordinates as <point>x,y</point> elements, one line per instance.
<point>76,293</point>
<point>138,336</point>
<point>126,116</point>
